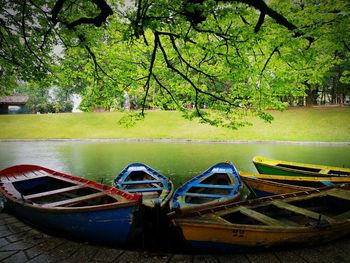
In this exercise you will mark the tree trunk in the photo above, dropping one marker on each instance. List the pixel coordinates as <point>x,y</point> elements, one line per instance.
<point>311,95</point>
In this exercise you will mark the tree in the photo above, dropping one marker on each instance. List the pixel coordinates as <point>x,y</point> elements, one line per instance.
<point>234,57</point>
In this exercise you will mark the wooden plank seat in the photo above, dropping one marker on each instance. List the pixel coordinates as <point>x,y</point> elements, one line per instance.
<point>260,217</point>
<point>53,192</point>
<point>150,194</point>
<point>301,211</point>
<point>205,195</point>
<point>75,200</point>
<point>215,186</point>
<point>141,182</point>
<point>151,189</point>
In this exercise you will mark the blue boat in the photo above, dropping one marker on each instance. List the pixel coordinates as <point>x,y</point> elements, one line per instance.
<point>68,205</point>
<point>155,188</point>
<point>220,184</point>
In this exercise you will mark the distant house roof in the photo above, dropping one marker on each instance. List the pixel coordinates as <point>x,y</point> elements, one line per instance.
<point>13,100</point>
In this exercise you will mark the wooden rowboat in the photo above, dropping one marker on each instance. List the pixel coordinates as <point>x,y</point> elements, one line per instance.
<point>218,185</point>
<point>278,167</point>
<point>303,181</point>
<point>155,188</point>
<point>261,188</point>
<point>303,218</point>
<point>69,205</point>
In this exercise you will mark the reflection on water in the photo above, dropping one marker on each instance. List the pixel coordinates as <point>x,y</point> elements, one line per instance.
<point>179,161</point>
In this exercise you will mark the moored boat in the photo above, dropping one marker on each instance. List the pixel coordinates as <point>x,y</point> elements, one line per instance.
<point>155,188</point>
<point>69,205</point>
<point>302,218</point>
<point>303,181</point>
<point>279,167</point>
<point>219,184</point>
<point>260,188</point>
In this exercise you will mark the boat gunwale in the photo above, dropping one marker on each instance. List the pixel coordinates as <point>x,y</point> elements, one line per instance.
<point>278,177</point>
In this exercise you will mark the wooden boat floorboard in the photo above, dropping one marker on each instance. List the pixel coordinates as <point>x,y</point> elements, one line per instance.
<point>301,211</point>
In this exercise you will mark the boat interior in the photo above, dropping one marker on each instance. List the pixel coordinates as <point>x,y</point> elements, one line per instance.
<point>53,191</point>
<point>301,168</point>
<point>144,183</point>
<point>313,184</point>
<point>216,186</point>
<point>317,211</point>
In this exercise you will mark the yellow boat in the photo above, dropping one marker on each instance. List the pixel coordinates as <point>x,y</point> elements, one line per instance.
<point>278,167</point>
<point>303,181</point>
<point>260,188</point>
<point>303,218</point>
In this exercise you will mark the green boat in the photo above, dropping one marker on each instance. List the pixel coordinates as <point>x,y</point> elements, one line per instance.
<point>278,167</point>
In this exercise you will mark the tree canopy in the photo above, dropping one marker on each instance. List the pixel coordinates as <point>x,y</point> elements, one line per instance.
<point>233,57</point>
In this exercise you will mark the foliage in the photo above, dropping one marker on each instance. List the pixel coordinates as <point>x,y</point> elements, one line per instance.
<point>237,58</point>
<point>44,99</point>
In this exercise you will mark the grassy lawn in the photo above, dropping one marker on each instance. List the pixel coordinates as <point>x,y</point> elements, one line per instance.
<point>327,124</point>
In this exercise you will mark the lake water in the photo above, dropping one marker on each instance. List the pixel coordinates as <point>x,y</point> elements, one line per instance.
<point>179,161</point>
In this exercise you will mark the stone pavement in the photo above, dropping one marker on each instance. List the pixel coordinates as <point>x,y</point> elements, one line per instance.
<point>20,243</point>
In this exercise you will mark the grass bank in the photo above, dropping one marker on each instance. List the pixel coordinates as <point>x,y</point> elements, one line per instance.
<point>326,124</point>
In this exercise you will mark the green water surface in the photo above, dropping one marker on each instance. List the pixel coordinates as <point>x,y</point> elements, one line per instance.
<point>179,161</point>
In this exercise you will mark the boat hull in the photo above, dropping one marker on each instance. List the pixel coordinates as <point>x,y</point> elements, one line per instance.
<point>99,226</point>
<point>261,188</point>
<point>278,167</point>
<point>246,238</point>
<point>69,206</point>
<point>297,181</point>
<point>294,219</point>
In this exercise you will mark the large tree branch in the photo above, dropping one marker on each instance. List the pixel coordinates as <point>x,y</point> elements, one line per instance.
<point>166,89</point>
<point>346,45</point>
<point>269,58</point>
<point>23,27</point>
<point>187,79</point>
<point>147,86</point>
<point>265,9</point>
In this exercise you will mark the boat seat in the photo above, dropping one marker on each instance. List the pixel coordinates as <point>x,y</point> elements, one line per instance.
<point>217,186</point>
<point>205,195</point>
<point>53,192</point>
<point>75,200</point>
<point>301,211</point>
<point>140,182</point>
<point>149,195</point>
<point>260,217</point>
<point>151,189</point>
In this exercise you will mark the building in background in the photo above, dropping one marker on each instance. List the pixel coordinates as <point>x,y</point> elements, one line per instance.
<point>13,104</point>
